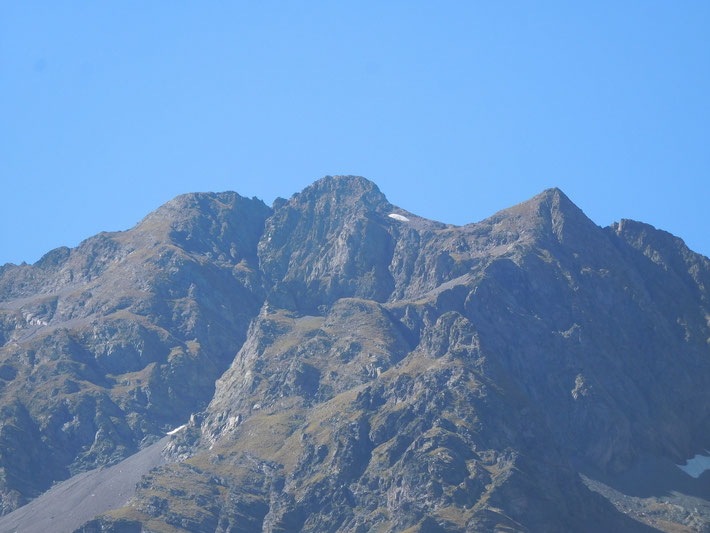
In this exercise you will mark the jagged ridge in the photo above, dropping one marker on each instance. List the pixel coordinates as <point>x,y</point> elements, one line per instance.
<point>402,374</point>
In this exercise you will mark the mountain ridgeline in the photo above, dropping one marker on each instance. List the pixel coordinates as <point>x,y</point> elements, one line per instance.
<point>340,369</point>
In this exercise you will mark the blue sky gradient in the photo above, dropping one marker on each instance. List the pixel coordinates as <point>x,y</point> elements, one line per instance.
<point>456,110</point>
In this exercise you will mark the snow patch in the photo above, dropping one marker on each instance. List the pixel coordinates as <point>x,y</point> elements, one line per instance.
<point>696,466</point>
<point>401,218</point>
<point>180,428</point>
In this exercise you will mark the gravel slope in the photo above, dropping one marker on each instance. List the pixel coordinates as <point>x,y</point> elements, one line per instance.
<point>69,504</point>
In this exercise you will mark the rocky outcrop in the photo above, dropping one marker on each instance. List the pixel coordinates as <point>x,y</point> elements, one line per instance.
<point>106,346</point>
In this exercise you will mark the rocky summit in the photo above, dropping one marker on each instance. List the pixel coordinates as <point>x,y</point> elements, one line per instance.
<point>334,363</point>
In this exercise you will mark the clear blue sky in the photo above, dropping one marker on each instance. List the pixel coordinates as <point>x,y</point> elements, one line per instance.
<point>455,109</point>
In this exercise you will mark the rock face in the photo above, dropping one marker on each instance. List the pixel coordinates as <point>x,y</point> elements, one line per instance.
<point>106,346</point>
<point>373,373</point>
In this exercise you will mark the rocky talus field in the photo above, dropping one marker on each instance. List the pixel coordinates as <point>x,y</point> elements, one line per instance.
<point>334,363</point>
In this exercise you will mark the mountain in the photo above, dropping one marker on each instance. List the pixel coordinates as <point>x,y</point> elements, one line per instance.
<point>341,364</point>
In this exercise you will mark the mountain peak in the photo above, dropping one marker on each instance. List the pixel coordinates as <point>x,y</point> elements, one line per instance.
<point>216,223</point>
<point>540,204</point>
<point>549,213</point>
<point>552,199</point>
<point>189,205</point>
<point>554,192</point>
<point>345,182</point>
<point>342,190</point>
